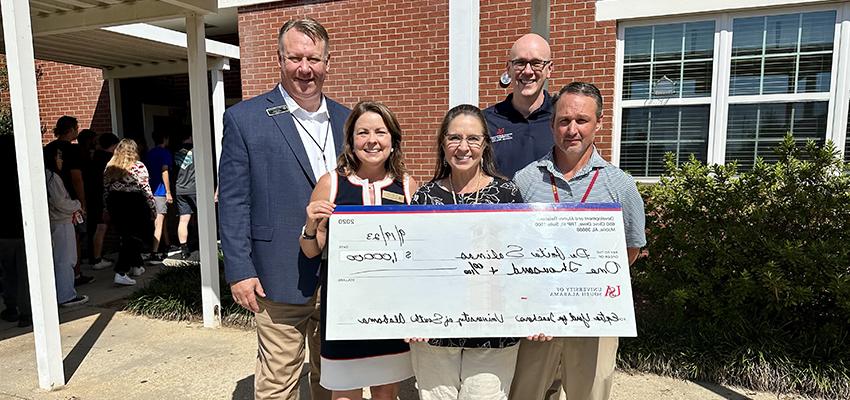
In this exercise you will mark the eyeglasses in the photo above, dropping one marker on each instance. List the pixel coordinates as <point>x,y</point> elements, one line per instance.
<point>473,141</point>
<point>536,65</point>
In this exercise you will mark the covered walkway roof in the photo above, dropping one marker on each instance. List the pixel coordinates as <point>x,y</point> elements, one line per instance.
<point>70,31</point>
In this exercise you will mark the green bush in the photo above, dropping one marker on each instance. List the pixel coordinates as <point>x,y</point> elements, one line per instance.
<point>747,280</point>
<point>175,294</point>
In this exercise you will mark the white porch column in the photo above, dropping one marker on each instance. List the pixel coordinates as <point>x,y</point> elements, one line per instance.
<point>115,111</point>
<point>200,103</point>
<point>17,31</point>
<point>838,134</point>
<point>463,52</point>
<point>217,78</point>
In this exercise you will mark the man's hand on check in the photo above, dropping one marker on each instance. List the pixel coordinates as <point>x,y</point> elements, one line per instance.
<point>539,338</point>
<point>245,293</point>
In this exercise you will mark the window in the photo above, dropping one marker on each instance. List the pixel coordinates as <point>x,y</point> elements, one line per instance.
<point>756,129</point>
<point>666,63</point>
<point>779,71</point>
<point>650,132</point>
<point>788,54</point>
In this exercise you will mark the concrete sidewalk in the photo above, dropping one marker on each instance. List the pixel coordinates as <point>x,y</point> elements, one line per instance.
<point>115,355</point>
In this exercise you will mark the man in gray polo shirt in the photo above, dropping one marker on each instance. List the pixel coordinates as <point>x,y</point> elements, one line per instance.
<point>573,172</point>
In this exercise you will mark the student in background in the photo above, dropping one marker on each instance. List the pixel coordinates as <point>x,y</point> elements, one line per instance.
<point>63,212</point>
<point>158,161</point>
<point>184,162</point>
<point>127,195</point>
<point>66,130</point>
<point>98,217</point>
<point>13,262</point>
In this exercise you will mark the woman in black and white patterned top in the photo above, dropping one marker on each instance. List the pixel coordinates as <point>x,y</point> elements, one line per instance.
<point>465,174</point>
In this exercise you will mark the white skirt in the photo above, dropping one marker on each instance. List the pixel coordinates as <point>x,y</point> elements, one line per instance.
<point>364,372</point>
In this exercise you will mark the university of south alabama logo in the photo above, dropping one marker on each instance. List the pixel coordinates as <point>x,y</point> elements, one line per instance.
<point>501,136</point>
<point>612,291</point>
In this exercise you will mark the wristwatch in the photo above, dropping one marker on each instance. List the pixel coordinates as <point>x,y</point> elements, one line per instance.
<point>304,234</point>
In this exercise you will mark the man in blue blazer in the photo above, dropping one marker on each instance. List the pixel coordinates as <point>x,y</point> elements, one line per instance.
<point>276,146</point>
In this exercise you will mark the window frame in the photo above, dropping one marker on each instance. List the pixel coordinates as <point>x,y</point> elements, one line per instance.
<point>838,97</point>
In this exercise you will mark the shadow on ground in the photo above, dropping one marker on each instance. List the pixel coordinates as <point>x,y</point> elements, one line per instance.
<point>244,388</point>
<point>76,356</point>
<point>722,391</point>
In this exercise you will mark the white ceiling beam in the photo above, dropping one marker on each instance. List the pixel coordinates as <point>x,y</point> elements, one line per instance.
<point>124,56</point>
<point>74,3</point>
<point>198,6</point>
<point>170,68</point>
<point>50,6</point>
<point>118,14</point>
<point>174,38</point>
<point>241,3</point>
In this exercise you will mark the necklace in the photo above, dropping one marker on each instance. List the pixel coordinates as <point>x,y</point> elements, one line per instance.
<point>477,192</point>
<point>322,146</point>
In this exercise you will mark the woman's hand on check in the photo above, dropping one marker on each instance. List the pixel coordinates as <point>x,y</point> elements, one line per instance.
<point>415,339</point>
<point>539,338</point>
<point>318,210</point>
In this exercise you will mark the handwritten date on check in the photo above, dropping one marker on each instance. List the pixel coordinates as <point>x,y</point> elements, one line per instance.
<point>501,270</point>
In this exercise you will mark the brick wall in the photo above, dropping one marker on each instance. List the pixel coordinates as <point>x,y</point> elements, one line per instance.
<point>390,51</point>
<point>397,53</point>
<point>68,90</point>
<point>72,90</point>
<point>585,51</point>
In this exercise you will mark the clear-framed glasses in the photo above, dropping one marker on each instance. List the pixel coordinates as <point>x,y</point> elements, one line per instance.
<point>474,141</point>
<point>536,65</point>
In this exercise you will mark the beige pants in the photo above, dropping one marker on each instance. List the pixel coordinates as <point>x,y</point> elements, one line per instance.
<point>587,367</point>
<point>455,373</point>
<point>282,330</point>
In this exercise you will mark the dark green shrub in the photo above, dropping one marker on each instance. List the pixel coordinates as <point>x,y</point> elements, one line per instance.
<point>175,294</point>
<point>747,280</point>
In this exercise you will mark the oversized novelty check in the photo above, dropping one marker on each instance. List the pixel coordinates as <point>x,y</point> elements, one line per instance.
<point>501,270</point>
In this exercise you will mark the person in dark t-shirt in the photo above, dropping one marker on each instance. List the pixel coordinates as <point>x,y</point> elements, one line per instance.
<point>184,188</point>
<point>106,144</point>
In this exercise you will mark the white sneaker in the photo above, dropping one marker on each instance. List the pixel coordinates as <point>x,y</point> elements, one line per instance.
<point>137,271</point>
<point>124,280</point>
<point>103,264</point>
<point>80,299</point>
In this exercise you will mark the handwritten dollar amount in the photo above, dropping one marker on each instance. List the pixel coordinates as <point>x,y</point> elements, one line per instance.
<point>376,256</point>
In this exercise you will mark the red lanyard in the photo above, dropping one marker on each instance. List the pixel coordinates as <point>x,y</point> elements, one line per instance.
<point>586,192</point>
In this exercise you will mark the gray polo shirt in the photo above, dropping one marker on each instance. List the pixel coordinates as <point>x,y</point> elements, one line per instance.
<point>612,186</point>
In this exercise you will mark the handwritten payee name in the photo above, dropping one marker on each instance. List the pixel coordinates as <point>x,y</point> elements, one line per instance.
<point>517,251</point>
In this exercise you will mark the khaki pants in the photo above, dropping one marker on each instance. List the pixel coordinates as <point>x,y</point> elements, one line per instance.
<point>282,330</point>
<point>456,373</point>
<point>587,367</point>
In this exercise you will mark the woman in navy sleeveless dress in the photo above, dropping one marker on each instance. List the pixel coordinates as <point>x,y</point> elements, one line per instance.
<point>370,171</point>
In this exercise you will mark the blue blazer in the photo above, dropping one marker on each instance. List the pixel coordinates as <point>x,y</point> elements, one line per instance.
<point>265,182</point>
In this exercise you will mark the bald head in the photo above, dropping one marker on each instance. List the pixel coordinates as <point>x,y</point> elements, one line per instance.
<point>529,66</point>
<point>531,43</point>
